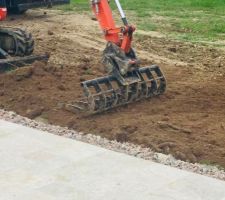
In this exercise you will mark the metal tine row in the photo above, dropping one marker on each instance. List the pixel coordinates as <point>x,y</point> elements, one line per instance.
<point>102,98</point>
<point>152,83</point>
<point>155,79</point>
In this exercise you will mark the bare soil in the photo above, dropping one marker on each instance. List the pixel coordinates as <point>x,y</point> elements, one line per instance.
<point>188,121</point>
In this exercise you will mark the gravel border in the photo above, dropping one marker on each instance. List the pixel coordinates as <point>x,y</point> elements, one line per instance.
<point>127,148</point>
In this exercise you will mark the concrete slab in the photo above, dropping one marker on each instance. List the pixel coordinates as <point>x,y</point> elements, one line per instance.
<point>35,165</point>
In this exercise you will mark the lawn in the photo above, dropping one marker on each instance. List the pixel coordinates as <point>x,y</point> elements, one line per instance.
<point>190,20</point>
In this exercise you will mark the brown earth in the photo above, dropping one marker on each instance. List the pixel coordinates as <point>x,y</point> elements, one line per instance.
<point>188,121</point>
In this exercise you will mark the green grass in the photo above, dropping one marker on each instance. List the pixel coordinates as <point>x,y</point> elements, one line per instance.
<point>190,20</point>
<point>210,163</point>
<point>76,5</point>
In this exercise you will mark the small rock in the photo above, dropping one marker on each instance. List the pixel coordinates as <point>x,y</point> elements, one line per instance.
<point>172,49</point>
<point>94,18</point>
<point>82,79</point>
<point>23,73</point>
<point>61,87</point>
<point>71,124</point>
<point>166,119</point>
<point>34,113</point>
<point>121,137</point>
<point>85,67</point>
<point>39,87</point>
<point>41,119</point>
<point>50,32</point>
<point>38,69</point>
<point>223,126</point>
<point>129,128</point>
<point>166,144</point>
<point>2,93</point>
<point>181,156</point>
<point>58,74</point>
<point>191,158</point>
<point>166,150</point>
<point>154,148</point>
<point>39,38</point>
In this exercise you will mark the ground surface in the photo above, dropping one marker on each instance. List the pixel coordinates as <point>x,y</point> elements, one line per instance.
<point>188,121</point>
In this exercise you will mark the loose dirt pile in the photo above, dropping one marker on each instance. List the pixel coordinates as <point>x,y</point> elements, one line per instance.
<point>187,122</point>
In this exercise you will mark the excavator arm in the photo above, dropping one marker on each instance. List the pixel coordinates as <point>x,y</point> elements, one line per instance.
<point>126,81</point>
<point>118,51</point>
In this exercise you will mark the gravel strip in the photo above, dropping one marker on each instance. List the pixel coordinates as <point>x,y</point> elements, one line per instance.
<point>127,148</point>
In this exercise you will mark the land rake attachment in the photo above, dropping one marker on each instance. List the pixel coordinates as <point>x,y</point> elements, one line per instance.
<point>105,93</point>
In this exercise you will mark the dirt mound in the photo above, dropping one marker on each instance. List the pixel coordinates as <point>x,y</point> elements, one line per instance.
<point>188,121</point>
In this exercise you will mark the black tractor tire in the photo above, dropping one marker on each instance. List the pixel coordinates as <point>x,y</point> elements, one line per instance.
<point>25,43</point>
<point>16,42</point>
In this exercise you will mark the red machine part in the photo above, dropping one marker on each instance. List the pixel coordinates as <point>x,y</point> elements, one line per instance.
<point>121,36</point>
<point>3,13</point>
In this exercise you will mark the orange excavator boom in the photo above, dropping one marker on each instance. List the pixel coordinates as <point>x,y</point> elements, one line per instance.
<point>121,36</point>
